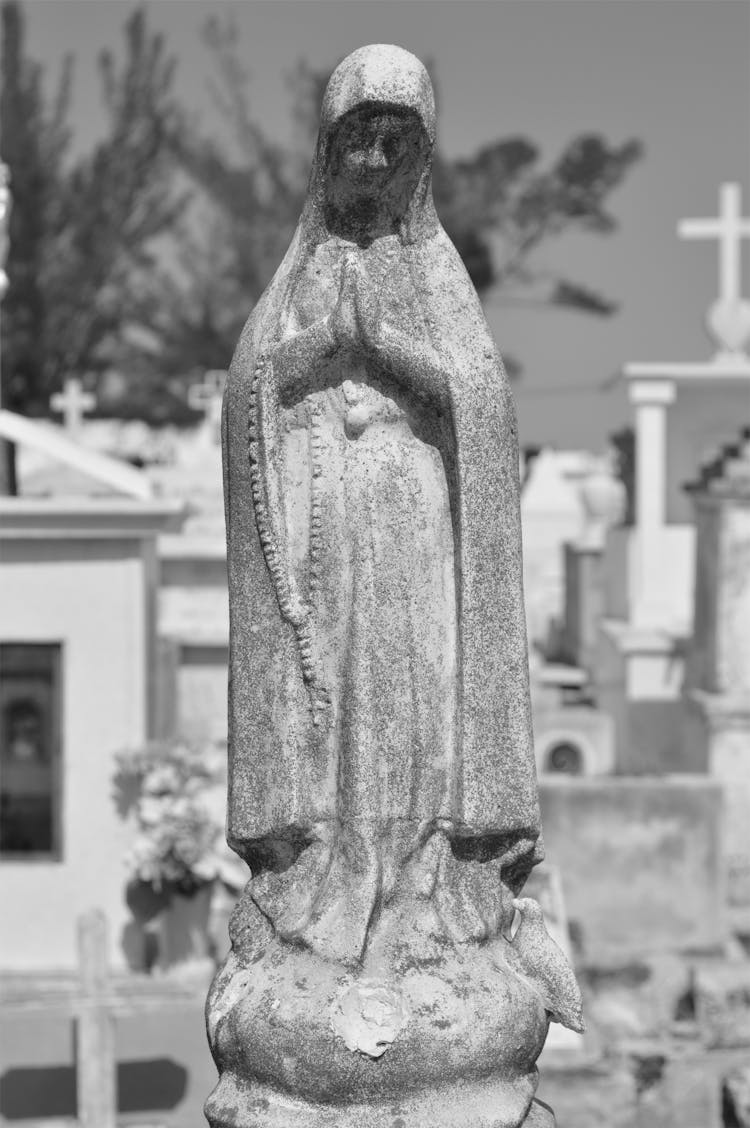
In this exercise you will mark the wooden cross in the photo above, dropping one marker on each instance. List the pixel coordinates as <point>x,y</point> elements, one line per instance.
<point>206,397</point>
<point>96,1002</point>
<point>729,228</point>
<point>96,1063</point>
<point>72,403</point>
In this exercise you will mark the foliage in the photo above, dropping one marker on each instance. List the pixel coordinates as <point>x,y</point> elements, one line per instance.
<point>33,141</point>
<point>146,254</point>
<point>174,792</point>
<point>84,231</point>
<point>499,207</point>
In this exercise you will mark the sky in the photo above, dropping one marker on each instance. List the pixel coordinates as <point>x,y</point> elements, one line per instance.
<point>675,74</point>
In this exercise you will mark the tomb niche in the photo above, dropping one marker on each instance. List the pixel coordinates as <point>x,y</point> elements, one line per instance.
<point>385,969</point>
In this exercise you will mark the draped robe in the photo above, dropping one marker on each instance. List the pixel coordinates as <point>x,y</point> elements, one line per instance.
<point>379,699</point>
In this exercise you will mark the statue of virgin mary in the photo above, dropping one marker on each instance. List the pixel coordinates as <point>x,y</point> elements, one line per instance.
<point>380,730</point>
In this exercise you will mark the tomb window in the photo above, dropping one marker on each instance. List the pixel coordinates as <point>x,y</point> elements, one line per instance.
<point>30,750</point>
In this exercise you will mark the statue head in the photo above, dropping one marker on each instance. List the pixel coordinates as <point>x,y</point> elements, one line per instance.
<point>374,163</point>
<point>371,175</point>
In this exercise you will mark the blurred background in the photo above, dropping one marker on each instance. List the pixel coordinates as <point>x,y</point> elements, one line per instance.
<point>590,166</point>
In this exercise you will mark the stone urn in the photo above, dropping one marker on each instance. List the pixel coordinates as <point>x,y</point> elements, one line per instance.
<point>603,500</point>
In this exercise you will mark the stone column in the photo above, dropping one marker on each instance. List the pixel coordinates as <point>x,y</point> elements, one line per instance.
<point>604,502</point>
<point>718,669</point>
<point>651,399</point>
<point>584,603</point>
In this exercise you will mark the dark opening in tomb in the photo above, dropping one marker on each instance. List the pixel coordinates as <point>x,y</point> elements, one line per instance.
<point>565,758</point>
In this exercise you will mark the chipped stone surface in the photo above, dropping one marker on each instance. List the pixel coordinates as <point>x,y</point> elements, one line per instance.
<point>382,778</point>
<point>368,1016</point>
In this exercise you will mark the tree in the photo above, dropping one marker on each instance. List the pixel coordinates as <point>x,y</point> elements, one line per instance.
<point>116,203</point>
<point>83,233</point>
<point>91,287</point>
<point>498,207</point>
<point>32,143</point>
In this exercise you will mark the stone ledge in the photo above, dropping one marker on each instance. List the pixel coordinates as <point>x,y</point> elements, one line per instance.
<point>464,1106</point>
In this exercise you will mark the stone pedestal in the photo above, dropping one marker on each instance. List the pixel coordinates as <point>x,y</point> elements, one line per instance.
<point>584,602</point>
<point>717,725</point>
<point>422,1032</point>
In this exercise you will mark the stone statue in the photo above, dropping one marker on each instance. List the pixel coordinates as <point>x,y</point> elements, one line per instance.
<point>382,784</point>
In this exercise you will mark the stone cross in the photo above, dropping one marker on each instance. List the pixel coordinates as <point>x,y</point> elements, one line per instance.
<point>729,317</point>
<point>73,403</point>
<point>207,396</point>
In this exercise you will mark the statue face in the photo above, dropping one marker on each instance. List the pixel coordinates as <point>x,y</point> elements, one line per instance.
<point>375,161</point>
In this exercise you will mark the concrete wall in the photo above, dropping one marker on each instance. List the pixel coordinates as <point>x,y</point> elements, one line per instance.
<point>194,635</point>
<point>672,586</point>
<point>544,537</point>
<point>202,685</point>
<point>589,730</point>
<point>640,862</point>
<point>90,596</point>
<point>638,683</point>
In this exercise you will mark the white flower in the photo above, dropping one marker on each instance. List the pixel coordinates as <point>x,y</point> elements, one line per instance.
<point>176,793</point>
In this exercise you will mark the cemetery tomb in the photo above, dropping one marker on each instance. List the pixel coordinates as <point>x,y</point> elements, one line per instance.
<point>77,647</point>
<point>682,410</point>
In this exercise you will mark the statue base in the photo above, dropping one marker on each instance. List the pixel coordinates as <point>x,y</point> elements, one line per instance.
<point>466,1106</point>
<point>424,1034</point>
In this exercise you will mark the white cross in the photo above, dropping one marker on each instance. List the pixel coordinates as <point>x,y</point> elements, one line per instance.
<point>730,229</point>
<point>72,403</point>
<point>206,397</point>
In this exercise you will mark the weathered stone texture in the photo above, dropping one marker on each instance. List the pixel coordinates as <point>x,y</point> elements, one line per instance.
<point>384,968</point>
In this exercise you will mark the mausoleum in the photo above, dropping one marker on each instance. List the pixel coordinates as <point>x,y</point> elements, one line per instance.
<point>78,577</point>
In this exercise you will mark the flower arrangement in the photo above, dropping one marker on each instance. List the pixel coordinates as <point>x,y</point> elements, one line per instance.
<point>175,792</point>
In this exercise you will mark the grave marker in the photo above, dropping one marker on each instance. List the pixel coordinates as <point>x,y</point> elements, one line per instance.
<point>73,403</point>
<point>96,1067</point>
<point>207,397</point>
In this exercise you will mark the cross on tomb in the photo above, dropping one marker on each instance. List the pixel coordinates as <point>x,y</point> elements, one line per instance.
<point>729,318</point>
<point>72,403</point>
<point>207,396</point>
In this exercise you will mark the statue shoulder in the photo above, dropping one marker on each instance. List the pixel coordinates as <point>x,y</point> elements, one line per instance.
<point>248,352</point>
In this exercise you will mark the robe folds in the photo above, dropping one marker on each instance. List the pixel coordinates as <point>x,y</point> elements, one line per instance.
<point>395,713</point>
